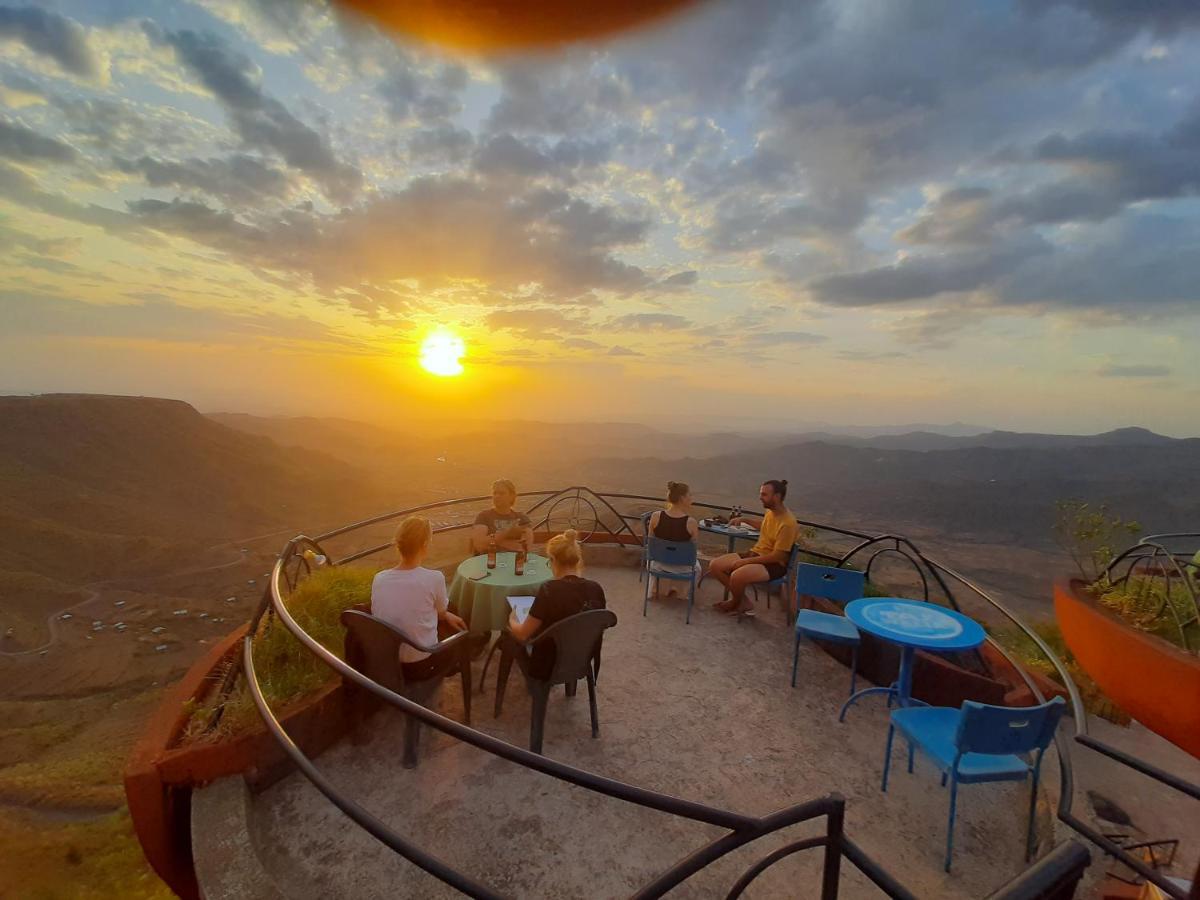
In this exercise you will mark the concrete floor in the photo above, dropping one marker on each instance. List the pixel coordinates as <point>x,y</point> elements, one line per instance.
<point>703,712</point>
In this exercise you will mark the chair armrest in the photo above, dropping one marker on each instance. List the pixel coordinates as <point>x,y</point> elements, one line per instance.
<point>451,642</point>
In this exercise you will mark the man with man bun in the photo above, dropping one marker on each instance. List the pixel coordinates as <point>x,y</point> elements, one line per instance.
<point>767,560</point>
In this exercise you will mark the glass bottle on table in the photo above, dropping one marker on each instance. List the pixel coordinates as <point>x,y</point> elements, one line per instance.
<point>519,564</point>
<point>491,559</point>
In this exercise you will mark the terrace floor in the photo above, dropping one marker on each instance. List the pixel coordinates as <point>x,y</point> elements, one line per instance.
<point>703,712</point>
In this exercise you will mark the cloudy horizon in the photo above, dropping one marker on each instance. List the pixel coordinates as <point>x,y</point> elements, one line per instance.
<point>811,212</point>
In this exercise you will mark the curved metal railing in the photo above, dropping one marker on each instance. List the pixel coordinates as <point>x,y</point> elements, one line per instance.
<point>741,829</point>
<point>1151,560</point>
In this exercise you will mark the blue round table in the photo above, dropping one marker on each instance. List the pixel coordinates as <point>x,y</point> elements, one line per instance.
<point>913,625</point>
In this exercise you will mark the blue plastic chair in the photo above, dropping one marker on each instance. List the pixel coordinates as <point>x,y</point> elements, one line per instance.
<point>841,585</point>
<point>645,544</point>
<point>978,743</point>
<point>781,581</point>
<point>670,553</point>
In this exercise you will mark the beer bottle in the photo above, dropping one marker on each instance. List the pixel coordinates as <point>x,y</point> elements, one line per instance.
<point>519,565</point>
<point>491,560</point>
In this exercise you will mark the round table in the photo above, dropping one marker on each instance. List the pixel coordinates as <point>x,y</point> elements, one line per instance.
<point>913,625</point>
<point>482,602</point>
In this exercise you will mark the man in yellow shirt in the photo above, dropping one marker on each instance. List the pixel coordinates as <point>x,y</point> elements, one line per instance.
<point>768,559</point>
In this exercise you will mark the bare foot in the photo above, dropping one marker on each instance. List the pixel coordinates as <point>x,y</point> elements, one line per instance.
<point>672,594</point>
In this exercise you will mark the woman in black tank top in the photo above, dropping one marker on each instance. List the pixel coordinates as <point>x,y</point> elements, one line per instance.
<point>675,523</point>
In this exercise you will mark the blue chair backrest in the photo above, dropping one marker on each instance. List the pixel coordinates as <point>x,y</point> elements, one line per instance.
<point>1007,729</point>
<point>671,553</point>
<point>646,523</point>
<point>842,585</point>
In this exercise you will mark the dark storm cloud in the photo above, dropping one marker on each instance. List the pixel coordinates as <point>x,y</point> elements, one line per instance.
<point>238,179</point>
<point>435,231</point>
<point>49,34</point>
<point>260,121</point>
<point>26,145</point>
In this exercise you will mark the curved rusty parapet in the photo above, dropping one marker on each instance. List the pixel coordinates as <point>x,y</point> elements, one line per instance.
<point>160,773</point>
<point>1150,678</point>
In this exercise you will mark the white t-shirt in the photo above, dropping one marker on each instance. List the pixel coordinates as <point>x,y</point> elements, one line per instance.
<point>410,599</point>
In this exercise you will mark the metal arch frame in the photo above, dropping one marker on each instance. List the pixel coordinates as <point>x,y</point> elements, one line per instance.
<point>272,600</point>
<point>1162,556</point>
<point>916,557</point>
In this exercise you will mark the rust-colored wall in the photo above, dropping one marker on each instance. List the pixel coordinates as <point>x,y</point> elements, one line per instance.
<point>159,776</point>
<point>1151,679</point>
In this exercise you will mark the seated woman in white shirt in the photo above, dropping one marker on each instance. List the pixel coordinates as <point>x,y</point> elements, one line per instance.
<point>677,524</point>
<point>414,599</point>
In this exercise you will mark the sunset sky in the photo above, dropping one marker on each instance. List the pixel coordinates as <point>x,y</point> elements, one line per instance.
<point>761,212</point>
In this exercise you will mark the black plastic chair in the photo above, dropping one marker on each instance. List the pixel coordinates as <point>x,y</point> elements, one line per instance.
<point>373,648</point>
<point>577,640</point>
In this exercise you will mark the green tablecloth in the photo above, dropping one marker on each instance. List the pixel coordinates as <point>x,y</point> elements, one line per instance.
<point>482,603</point>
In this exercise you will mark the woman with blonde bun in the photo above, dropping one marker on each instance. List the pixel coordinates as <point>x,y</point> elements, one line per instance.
<point>676,524</point>
<point>565,595</point>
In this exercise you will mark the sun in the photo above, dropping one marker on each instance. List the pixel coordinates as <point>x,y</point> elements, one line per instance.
<point>441,352</point>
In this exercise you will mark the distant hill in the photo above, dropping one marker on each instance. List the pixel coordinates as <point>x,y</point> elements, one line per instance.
<point>94,485</point>
<point>1005,493</point>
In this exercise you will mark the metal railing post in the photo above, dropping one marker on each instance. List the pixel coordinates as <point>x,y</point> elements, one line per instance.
<point>833,847</point>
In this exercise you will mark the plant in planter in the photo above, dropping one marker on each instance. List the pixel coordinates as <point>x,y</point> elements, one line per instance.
<point>1133,622</point>
<point>287,672</point>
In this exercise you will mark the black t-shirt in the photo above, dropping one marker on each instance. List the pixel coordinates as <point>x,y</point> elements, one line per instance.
<point>498,523</point>
<point>555,601</point>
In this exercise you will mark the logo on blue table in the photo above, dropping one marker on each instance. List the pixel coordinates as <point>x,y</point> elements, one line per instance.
<point>917,621</point>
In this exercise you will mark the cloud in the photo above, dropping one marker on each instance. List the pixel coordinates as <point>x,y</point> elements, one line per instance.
<point>618,350</point>
<point>260,121</point>
<point>50,34</point>
<point>23,190</point>
<point>437,231</point>
<point>1117,371</point>
<point>577,343</point>
<point>444,144</point>
<point>25,145</point>
<point>535,323</point>
<point>409,93</point>
<point>650,322</point>
<point>238,179</point>
<point>678,281</point>
<point>924,277</point>
<point>154,317</point>
<point>783,338</point>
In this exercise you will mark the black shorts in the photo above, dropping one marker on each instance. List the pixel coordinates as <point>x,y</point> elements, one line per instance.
<point>774,570</point>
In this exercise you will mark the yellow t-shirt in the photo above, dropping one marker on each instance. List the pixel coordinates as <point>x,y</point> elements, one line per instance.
<point>778,533</point>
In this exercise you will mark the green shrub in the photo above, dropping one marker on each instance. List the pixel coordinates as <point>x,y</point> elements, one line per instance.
<point>1156,606</point>
<point>286,670</point>
<point>1028,654</point>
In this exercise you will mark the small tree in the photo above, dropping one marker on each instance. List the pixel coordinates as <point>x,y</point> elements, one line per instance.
<point>1092,535</point>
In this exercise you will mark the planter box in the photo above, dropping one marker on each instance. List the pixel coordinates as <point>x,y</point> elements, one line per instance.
<point>160,774</point>
<point>1150,678</point>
